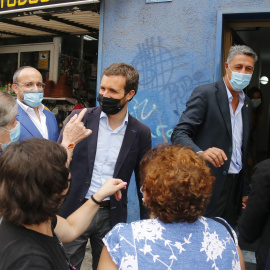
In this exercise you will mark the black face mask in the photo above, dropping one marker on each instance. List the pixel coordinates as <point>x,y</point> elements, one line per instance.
<point>110,105</point>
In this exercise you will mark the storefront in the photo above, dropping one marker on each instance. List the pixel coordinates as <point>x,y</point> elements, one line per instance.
<point>60,39</point>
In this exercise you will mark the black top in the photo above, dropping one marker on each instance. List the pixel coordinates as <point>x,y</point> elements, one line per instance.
<point>22,248</point>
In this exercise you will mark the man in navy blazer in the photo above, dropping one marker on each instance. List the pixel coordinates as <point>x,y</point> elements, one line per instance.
<point>255,221</point>
<point>115,148</point>
<point>216,124</point>
<point>35,120</point>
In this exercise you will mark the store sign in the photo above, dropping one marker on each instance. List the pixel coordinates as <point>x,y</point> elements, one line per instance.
<point>19,4</point>
<point>157,1</point>
<point>43,60</point>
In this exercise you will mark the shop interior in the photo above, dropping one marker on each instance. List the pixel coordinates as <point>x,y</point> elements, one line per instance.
<point>63,45</point>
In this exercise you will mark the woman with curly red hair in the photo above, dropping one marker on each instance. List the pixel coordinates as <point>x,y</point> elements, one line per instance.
<point>177,185</point>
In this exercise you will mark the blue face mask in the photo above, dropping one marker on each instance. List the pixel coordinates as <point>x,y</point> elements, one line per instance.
<point>33,98</point>
<point>14,135</point>
<point>256,102</point>
<point>239,80</point>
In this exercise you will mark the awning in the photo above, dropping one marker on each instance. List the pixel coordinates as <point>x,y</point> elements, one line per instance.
<point>51,19</point>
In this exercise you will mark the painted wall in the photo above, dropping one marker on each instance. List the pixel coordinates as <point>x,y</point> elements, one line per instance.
<point>172,45</point>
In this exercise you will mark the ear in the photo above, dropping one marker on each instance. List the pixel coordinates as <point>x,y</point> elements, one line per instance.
<point>15,88</point>
<point>226,65</point>
<point>130,95</point>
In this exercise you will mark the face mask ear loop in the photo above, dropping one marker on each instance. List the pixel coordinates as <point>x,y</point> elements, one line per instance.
<point>229,80</point>
<point>228,76</point>
<point>227,73</point>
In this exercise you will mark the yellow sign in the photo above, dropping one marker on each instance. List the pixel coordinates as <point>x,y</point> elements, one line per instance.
<point>43,60</point>
<point>17,3</point>
<point>20,4</point>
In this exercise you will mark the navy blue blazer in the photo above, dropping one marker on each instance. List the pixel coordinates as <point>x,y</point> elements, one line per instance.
<point>29,130</point>
<point>255,221</point>
<point>136,142</point>
<point>205,123</point>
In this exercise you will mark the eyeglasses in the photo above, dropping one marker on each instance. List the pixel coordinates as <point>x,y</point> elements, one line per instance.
<point>31,85</point>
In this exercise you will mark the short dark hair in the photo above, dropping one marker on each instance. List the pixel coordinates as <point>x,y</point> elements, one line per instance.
<point>129,72</point>
<point>178,183</point>
<point>32,179</point>
<point>253,90</point>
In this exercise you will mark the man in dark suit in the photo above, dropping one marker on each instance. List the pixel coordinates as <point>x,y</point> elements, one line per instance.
<point>35,120</point>
<point>114,149</point>
<point>255,221</point>
<point>216,124</point>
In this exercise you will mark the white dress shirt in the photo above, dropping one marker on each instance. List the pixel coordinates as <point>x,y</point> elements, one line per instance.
<point>109,143</point>
<point>237,133</point>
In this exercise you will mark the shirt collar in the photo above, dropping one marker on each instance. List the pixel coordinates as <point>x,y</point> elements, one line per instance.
<point>104,115</point>
<point>27,108</point>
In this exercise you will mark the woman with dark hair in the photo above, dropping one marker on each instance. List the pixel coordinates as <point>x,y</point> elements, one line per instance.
<point>177,186</point>
<point>34,181</point>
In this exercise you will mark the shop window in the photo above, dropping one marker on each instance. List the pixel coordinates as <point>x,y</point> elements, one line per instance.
<point>8,65</point>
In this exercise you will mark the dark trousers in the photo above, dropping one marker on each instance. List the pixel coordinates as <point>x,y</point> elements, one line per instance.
<point>228,205</point>
<point>98,228</point>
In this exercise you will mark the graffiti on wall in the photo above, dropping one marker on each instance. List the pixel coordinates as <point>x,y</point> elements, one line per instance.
<point>165,86</point>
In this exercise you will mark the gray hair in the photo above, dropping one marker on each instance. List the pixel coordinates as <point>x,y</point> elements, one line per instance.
<point>241,49</point>
<point>8,109</point>
<point>17,73</point>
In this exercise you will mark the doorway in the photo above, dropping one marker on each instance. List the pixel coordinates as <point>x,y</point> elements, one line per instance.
<point>254,33</point>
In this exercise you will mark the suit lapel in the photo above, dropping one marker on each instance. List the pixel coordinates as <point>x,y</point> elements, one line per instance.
<point>129,137</point>
<point>27,123</point>
<point>92,122</point>
<point>223,102</point>
<point>245,116</point>
<point>48,124</point>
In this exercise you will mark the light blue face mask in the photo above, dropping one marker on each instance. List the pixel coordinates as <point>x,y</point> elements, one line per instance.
<point>33,98</point>
<point>256,102</point>
<point>239,80</point>
<point>14,135</point>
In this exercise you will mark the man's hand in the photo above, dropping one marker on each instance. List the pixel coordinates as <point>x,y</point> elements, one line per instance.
<point>244,202</point>
<point>110,187</point>
<point>214,155</point>
<point>75,131</point>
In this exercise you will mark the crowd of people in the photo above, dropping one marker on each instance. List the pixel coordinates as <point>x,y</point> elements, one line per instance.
<point>73,188</point>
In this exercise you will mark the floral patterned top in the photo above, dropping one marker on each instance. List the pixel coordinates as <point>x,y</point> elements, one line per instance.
<point>152,244</point>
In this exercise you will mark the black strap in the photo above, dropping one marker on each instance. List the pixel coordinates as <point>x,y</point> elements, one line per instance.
<point>54,222</point>
<point>221,221</point>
